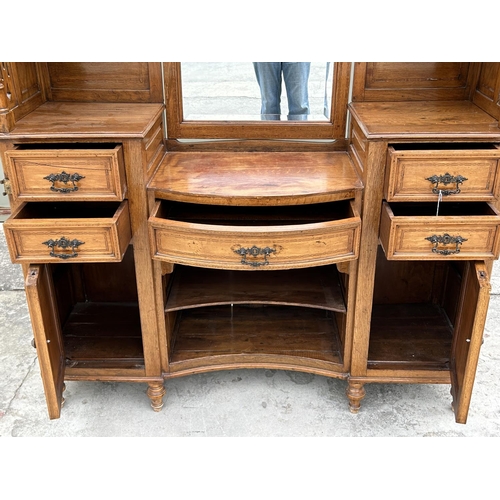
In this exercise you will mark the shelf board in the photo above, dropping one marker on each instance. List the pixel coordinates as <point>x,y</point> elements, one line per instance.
<point>409,336</point>
<point>316,287</point>
<point>251,336</point>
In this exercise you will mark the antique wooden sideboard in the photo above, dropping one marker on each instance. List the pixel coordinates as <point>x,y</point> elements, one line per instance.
<point>153,246</point>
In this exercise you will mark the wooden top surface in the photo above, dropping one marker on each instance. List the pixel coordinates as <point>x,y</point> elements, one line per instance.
<point>86,120</point>
<point>424,120</point>
<point>261,178</point>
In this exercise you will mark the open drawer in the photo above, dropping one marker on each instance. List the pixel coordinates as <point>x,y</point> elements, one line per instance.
<point>249,238</point>
<point>43,172</point>
<point>68,232</point>
<point>460,231</point>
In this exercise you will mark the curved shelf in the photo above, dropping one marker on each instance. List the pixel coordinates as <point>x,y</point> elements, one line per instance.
<point>317,288</point>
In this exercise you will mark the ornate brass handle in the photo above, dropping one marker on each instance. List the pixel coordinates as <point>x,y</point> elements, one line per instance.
<point>254,252</point>
<point>446,179</point>
<point>446,239</point>
<point>65,178</point>
<point>63,243</point>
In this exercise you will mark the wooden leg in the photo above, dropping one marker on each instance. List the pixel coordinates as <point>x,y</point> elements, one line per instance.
<point>156,391</point>
<point>355,392</point>
<point>62,397</point>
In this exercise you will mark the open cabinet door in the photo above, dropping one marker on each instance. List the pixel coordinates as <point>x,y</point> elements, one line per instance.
<point>47,331</point>
<point>468,335</point>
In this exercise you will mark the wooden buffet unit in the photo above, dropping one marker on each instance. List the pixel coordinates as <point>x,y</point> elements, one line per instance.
<point>150,252</point>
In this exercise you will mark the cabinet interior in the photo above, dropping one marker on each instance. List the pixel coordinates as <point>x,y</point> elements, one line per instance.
<point>413,319</point>
<point>290,316</point>
<point>99,314</point>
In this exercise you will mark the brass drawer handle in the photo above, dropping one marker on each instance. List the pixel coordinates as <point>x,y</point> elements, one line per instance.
<point>254,252</point>
<point>446,179</point>
<point>446,239</point>
<point>63,243</point>
<point>65,178</point>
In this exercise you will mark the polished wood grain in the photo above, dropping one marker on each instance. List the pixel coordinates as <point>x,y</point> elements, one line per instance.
<point>256,178</point>
<point>99,169</point>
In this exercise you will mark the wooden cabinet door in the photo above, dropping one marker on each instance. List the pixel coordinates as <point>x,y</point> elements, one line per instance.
<point>47,331</point>
<point>468,336</point>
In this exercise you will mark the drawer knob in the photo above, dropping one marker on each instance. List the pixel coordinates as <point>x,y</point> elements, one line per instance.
<point>254,252</point>
<point>446,239</point>
<point>64,244</point>
<point>446,179</point>
<point>65,178</point>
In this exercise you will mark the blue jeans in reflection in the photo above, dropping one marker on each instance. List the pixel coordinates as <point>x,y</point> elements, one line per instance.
<point>296,76</point>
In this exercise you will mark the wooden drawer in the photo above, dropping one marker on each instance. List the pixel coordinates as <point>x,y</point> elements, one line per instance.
<point>44,172</point>
<point>68,232</point>
<point>249,238</point>
<point>412,231</point>
<point>464,172</point>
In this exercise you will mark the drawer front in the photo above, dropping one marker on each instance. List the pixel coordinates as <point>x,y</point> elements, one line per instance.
<point>429,237</point>
<point>465,175</point>
<point>95,173</point>
<point>68,239</point>
<point>256,247</point>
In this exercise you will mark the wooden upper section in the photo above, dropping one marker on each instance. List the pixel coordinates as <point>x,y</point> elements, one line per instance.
<point>28,89</point>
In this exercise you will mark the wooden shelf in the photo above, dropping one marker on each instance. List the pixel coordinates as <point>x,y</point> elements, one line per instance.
<point>235,336</point>
<point>314,287</point>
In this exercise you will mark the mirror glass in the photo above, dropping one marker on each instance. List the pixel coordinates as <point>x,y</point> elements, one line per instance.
<point>246,91</point>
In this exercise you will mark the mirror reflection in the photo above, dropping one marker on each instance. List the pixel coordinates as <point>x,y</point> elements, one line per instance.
<point>246,91</point>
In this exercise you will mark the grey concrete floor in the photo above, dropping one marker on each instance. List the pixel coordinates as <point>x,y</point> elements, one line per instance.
<point>238,403</point>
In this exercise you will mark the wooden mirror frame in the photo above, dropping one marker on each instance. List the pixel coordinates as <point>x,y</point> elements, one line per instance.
<point>178,128</point>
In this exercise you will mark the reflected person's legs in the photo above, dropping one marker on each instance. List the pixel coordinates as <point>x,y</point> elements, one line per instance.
<point>269,78</point>
<point>296,76</point>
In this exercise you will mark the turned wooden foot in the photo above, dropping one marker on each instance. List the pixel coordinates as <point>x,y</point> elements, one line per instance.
<point>355,392</point>
<point>156,391</point>
<point>62,397</point>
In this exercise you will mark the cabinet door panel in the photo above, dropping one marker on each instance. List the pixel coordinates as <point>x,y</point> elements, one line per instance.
<point>468,335</point>
<point>47,331</point>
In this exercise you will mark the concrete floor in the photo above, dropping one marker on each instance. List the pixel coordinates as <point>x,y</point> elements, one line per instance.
<point>231,403</point>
